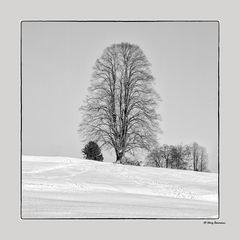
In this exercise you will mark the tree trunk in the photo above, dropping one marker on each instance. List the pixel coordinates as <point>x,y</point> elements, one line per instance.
<point>194,162</point>
<point>119,156</point>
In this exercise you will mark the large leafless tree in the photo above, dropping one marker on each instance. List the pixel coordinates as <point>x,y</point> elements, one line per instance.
<point>120,110</point>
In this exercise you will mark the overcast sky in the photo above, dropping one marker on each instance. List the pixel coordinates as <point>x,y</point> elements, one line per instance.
<point>56,70</point>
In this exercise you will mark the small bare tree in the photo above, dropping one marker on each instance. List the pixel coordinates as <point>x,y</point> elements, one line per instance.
<point>180,155</point>
<point>203,160</point>
<point>195,155</point>
<point>160,156</point>
<point>154,158</point>
<point>166,154</point>
<point>119,111</point>
<point>200,158</point>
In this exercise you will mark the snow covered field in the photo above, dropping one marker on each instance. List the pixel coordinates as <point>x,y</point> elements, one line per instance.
<point>62,187</point>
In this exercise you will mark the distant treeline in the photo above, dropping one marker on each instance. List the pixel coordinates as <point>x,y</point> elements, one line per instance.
<point>189,157</point>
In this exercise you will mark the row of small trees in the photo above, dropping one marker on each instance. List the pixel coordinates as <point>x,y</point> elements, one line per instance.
<point>190,157</point>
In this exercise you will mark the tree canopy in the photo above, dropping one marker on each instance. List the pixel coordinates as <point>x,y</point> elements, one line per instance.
<point>120,109</point>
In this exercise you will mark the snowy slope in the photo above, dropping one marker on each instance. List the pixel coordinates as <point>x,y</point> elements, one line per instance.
<point>62,187</point>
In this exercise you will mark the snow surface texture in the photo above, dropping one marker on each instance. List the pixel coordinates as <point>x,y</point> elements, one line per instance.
<point>62,187</point>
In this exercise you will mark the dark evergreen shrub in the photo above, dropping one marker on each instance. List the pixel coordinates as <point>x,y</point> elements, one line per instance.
<point>92,151</point>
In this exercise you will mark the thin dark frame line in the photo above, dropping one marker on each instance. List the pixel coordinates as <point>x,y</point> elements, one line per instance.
<point>219,211</point>
<point>114,21</point>
<point>70,218</point>
<point>21,120</point>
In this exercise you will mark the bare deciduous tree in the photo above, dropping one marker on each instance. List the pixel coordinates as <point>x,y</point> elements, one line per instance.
<point>195,156</point>
<point>154,158</point>
<point>120,110</point>
<point>160,156</point>
<point>180,156</point>
<point>166,154</point>
<point>203,160</point>
<point>200,158</point>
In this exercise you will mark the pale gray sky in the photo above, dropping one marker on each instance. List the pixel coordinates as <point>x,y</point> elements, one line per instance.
<point>57,67</point>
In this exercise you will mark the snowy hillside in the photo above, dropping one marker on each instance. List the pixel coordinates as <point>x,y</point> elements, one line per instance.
<point>62,187</point>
